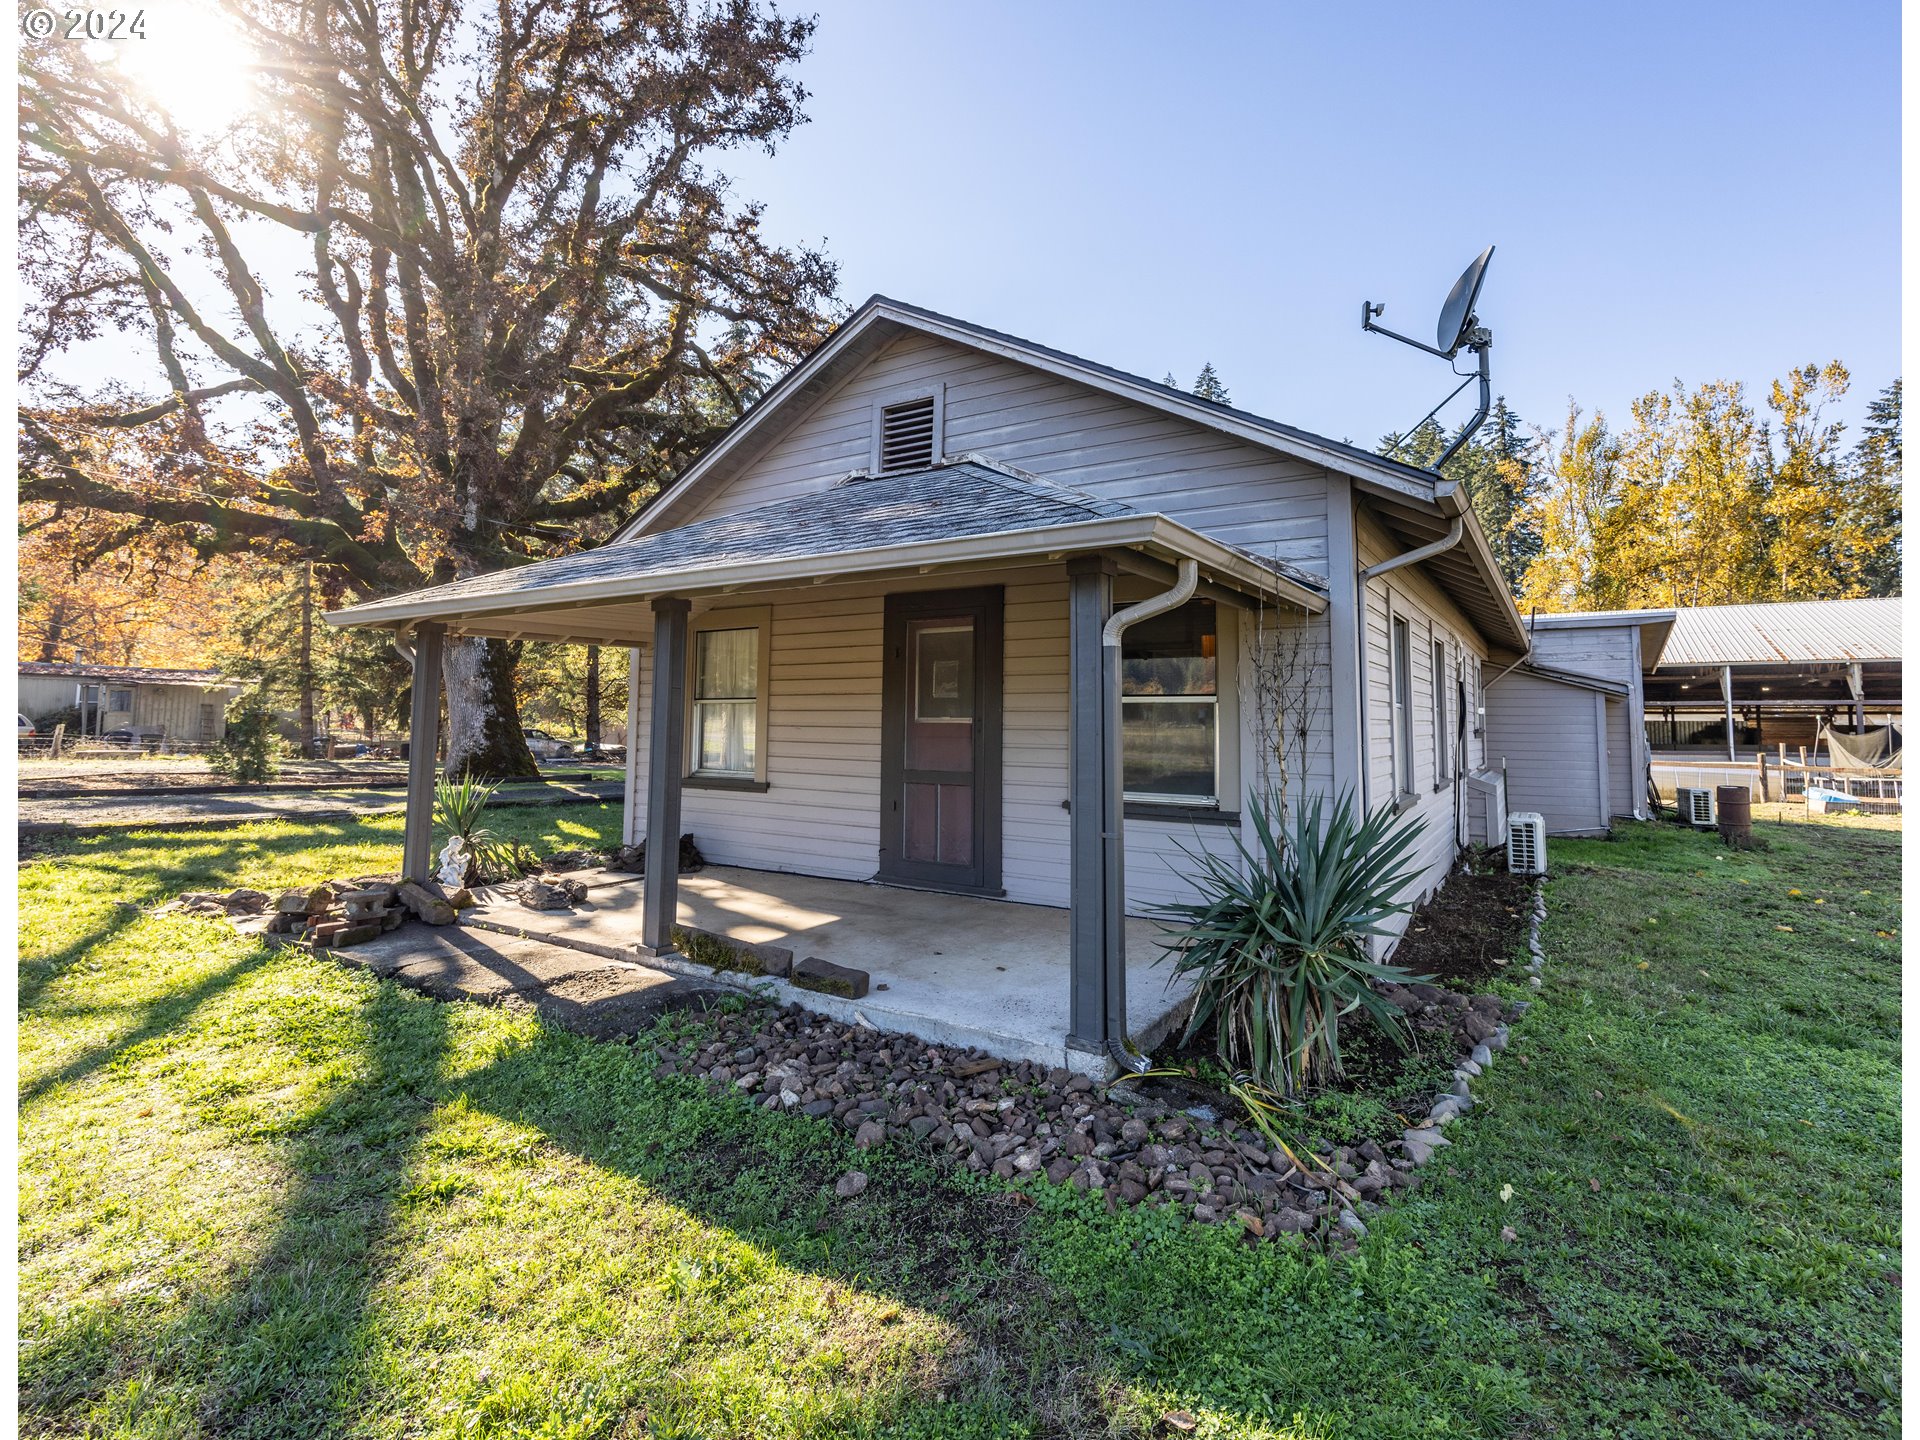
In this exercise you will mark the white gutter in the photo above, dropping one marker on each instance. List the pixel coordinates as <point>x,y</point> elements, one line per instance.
<point>1129,531</point>
<point>1114,831</point>
<point>1425,552</point>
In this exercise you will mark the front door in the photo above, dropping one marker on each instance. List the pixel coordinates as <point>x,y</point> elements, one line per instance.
<point>940,742</point>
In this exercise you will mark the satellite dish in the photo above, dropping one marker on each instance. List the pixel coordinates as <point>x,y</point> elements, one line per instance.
<point>1456,315</point>
<point>1458,326</point>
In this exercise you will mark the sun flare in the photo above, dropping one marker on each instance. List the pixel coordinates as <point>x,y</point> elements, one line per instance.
<point>192,63</point>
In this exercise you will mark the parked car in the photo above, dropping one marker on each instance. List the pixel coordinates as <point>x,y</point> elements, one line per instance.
<point>545,746</point>
<point>27,731</point>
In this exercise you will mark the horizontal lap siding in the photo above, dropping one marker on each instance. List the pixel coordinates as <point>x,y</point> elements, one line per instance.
<point>821,812</point>
<point>1069,433</point>
<point>1544,733</point>
<point>1409,593</point>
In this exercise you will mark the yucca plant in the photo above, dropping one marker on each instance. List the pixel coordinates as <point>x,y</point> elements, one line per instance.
<point>1277,942</point>
<point>458,808</point>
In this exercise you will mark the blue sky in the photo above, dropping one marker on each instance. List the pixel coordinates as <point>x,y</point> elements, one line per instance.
<point>1694,190</point>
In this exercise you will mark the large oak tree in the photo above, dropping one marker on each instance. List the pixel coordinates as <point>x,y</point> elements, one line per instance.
<point>457,290</point>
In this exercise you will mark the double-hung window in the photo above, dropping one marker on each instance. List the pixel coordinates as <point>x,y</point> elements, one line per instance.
<point>1402,664</point>
<point>726,701</point>
<point>1170,707</point>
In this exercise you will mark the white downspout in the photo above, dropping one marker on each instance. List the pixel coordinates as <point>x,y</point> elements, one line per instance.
<point>1113,828</point>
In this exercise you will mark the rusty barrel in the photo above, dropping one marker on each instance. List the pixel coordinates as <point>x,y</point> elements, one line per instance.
<point>1734,803</point>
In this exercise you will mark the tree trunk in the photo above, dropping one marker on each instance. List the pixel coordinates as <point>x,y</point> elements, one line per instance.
<point>484,738</point>
<point>593,699</point>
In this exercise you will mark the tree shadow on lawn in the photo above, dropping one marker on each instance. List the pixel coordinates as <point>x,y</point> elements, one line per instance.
<point>156,1018</point>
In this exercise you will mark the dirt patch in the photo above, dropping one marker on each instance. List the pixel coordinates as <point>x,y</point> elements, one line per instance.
<point>1474,922</point>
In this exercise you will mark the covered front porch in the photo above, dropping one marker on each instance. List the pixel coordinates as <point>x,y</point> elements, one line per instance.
<point>827,599</point>
<point>951,970</point>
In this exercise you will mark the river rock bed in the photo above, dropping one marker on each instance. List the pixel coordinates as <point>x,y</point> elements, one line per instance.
<point>1021,1120</point>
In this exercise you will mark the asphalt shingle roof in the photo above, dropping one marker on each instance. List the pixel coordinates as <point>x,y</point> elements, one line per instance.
<point>946,502</point>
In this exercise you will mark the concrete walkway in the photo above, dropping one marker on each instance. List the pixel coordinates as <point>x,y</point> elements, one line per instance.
<point>601,999</point>
<point>233,807</point>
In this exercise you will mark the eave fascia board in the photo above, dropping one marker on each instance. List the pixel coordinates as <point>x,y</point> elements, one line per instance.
<point>1108,532</point>
<point>1452,499</point>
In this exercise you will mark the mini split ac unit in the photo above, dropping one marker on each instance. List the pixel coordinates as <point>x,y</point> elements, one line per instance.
<point>1695,807</point>
<point>1527,843</point>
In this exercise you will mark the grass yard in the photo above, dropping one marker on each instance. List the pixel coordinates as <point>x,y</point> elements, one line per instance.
<point>261,1195</point>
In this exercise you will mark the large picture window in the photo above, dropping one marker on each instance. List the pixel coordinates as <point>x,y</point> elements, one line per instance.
<point>726,701</point>
<point>1170,707</point>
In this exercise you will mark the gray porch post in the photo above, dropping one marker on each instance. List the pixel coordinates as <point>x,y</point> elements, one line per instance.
<point>666,746</point>
<point>1726,693</point>
<point>423,745</point>
<point>1089,603</point>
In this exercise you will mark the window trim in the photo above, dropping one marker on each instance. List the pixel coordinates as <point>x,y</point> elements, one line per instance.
<point>1399,706</point>
<point>1226,720</point>
<point>900,395</point>
<point>758,618</point>
<point>1442,747</point>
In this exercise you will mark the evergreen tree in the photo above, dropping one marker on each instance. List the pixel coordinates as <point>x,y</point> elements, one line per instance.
<point>1499,467</point>
<point>1870,547</point>
<point>1208,387</point>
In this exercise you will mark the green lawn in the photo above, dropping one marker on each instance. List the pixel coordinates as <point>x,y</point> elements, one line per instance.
<point>263,1195</point>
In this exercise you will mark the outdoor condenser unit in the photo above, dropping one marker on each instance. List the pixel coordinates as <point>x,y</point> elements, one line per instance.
<point>1527,843</point>
<point>1695,807</point>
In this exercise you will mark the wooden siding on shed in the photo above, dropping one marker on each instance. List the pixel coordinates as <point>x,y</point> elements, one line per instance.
<point>1548,736</point>
<point>171,711</point>
<point>1226,488</point>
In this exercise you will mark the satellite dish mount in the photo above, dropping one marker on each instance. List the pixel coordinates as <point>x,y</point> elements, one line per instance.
<point>1459,329</point>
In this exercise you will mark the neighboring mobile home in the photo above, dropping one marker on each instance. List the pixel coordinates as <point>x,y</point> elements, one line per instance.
<point>950,610</point>
<point>136,701</point>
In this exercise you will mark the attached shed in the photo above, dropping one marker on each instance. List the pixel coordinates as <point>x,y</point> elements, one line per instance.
<point>1565,741</point>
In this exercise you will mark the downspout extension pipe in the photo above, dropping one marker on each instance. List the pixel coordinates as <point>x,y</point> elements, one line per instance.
<point>1113,814</point>
<point>400,645</point>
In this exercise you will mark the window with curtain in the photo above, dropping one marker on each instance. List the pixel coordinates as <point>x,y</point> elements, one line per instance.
<point>1170,707</point>
<point>726,699</point>
<point>1402,663</point>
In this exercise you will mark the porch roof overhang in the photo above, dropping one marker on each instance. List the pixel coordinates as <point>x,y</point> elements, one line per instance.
<point>956,515</point>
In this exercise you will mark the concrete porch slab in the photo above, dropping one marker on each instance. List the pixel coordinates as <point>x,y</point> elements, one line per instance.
<point>954,970</point>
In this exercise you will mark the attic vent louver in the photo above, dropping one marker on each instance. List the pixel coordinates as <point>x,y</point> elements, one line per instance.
<point>906,435</point>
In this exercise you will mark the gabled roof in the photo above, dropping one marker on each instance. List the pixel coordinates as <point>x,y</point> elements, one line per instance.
<point>882,320</point>
<point>965,510</point>
<point>125,674</point>
<point>1408,496</point>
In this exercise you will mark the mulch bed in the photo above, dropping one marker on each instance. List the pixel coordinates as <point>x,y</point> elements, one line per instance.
<point>1467,931</point>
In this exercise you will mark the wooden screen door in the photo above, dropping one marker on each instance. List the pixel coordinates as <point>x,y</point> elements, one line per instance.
<point>940,740</point>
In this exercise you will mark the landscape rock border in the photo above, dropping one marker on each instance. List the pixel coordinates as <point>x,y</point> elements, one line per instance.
<point>1422,1140</point>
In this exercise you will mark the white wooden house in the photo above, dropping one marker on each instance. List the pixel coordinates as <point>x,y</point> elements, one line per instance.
<point>951,610</point>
